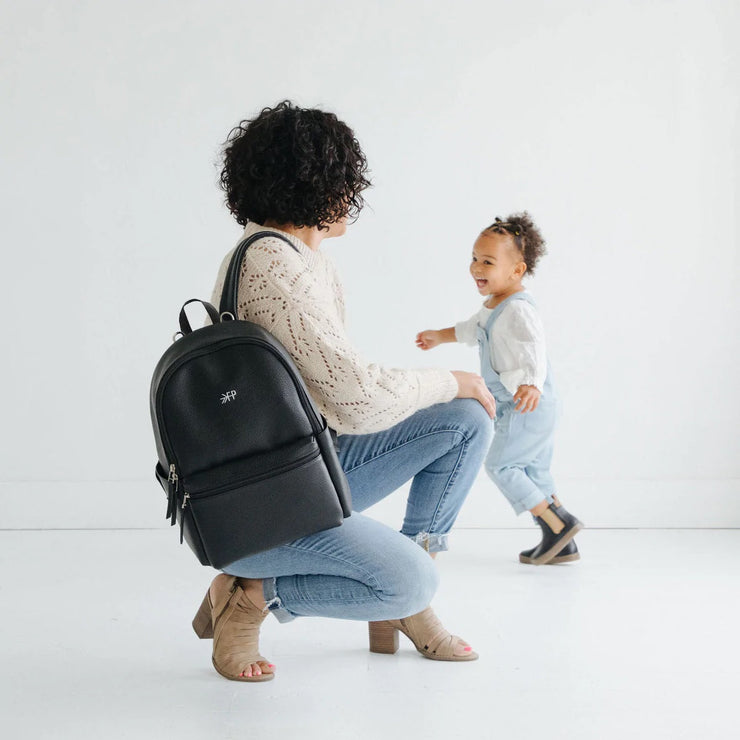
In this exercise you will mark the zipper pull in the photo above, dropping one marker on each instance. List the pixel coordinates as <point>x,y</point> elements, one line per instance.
<point>172,486</point>
<point>173,477</point>
<point>182,514</point>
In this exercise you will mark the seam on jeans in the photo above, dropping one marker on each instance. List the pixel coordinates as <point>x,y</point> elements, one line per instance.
<point>372,581</point>
<point>307,599</point>
<point>404,443</point>
<point>450,481</point>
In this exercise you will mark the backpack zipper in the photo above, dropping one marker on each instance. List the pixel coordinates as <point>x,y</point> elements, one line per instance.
<point>255,478</point>
<point>173,484</point>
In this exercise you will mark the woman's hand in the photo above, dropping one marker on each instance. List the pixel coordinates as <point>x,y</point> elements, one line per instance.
<point>471,385</point>
<point>428,338</point>
<point>527,397</point>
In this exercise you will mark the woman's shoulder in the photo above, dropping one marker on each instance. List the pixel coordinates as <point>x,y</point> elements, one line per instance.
<point>267,258</point>
<point>271,247</point>
<point>282,252</point>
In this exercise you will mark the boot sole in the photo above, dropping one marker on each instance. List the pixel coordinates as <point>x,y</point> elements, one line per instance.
<point>546,557</point>
<point>555,561</point>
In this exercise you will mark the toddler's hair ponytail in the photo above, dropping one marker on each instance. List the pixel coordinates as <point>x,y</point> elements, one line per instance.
<point>526,236</point>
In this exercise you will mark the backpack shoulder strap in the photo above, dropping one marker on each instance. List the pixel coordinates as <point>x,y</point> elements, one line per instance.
<point>231,283</point>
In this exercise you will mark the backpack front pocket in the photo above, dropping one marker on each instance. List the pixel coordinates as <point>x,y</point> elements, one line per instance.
<point>261,502</point>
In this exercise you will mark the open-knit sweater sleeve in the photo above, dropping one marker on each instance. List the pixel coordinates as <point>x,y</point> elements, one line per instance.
<point>295,295</point>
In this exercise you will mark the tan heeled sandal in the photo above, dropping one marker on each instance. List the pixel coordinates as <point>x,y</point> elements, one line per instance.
<point>430,638</point>
<point>233,621</point>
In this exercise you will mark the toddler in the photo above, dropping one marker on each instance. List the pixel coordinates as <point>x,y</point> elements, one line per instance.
<point>514,364</point>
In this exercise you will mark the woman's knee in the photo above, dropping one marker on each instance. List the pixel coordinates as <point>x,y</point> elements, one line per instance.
<point>472,420</point>
<point>419,591</point>
<point>410,585</point>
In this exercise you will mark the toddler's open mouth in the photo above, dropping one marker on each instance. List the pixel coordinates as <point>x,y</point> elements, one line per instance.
<point>480,283</point>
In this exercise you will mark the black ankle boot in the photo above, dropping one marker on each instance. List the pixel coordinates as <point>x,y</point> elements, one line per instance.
<point>567,555</point>
<point>558,529</point>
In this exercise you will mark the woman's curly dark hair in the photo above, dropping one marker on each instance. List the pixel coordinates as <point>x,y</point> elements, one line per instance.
<point>526,236</point>
<point>293,165</point>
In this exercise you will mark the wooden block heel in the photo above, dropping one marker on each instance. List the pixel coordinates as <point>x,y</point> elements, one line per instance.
<point>430,638</point>
<point>383,638</point>
<point>202,623</point>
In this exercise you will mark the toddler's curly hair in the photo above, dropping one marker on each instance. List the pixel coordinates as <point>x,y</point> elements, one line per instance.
<point>293,165</point>
<point>526,236</point>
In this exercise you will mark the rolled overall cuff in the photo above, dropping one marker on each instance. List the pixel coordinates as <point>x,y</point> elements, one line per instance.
<point>530,501</point>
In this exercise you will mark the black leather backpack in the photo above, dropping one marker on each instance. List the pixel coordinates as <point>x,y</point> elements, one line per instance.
<point>245,458</point>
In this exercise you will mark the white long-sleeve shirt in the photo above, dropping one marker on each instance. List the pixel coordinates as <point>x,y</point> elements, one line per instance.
<point>297,296</point>
<point>517,342</point>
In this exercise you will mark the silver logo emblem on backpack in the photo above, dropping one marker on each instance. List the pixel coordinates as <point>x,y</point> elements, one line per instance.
<point>228,396</point>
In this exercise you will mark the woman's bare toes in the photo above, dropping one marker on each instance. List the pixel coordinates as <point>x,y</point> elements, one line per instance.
<point>462,648</point>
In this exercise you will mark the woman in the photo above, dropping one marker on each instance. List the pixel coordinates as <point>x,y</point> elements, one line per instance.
<point>300,173</point>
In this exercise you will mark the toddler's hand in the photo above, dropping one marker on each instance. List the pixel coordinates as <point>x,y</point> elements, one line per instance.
<point>427,339</point>
<point>527,397</point>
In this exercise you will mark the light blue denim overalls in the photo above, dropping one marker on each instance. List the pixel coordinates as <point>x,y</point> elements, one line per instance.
<point>518,461</point>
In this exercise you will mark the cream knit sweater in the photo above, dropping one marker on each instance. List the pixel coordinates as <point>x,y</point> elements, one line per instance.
<point>297,297</point>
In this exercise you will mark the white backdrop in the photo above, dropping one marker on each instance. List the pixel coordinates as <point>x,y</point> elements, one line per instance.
<point>614,123</point>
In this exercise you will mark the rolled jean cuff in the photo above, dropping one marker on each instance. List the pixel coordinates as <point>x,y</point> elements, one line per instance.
<point>273,603</point>
<point>429,541</point>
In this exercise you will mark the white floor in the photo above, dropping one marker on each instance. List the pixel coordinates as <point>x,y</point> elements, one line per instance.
<point>638,640</point>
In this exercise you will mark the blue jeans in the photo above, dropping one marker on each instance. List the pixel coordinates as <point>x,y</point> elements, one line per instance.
<point>364,570</point>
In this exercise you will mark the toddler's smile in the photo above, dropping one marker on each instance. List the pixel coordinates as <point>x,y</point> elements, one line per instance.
<point>494,264</point>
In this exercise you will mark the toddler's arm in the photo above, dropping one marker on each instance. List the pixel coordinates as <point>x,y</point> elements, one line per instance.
<point>432,337</point>
<point>464,332</point>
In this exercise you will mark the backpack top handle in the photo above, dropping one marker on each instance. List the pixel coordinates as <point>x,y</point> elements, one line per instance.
<point>185,327</point>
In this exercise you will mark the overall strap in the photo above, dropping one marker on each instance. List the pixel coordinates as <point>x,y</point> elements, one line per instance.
<point>520,296</point>
<point>229,296</point>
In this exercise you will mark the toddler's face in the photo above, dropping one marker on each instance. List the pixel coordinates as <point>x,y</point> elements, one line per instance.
<point>496,265</point>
